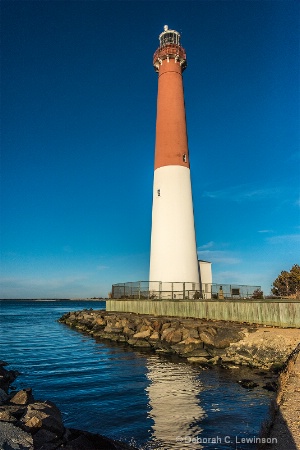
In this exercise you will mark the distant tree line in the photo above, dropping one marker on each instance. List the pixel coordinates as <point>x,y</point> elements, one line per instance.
<point>288,283</point>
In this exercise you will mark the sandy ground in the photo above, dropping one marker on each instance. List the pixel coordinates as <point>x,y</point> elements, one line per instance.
<point>282,337</point>
<point>288,334</point>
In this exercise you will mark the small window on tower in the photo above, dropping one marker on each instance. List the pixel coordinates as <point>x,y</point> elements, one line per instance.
<point>184,157</point>
<point>158,192</point>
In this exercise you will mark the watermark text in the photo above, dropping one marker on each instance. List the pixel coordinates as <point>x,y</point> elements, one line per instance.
<point>226,440</point>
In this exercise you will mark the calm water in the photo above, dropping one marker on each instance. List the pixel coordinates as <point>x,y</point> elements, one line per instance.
<point>141,398</point>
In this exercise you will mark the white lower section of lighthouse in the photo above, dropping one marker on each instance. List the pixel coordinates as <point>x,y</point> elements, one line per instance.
<point>173,242</point>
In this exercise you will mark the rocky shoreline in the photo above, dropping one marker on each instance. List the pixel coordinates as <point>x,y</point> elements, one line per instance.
<point>29,424</point>
<point>283,425</point>
<point>199,341</point>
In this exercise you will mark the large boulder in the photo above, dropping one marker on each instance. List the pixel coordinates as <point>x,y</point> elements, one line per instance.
<point>139,343</point>
<point>222,338</point>
<point>6,416</point>
<point>7,377</point>
<point>166,331</point>
<point>156,325</point>
<point>207,338</point>
<point>3,397</point>
<point>112,329</point>
<point>128,331</point>
<point>100,321</point>
<point>174,336</point>
<point>47,413</point>
<point>142,334</point>
<point>187,347</point>
<point>11,413</point>
<point>22,397</point>
<point>82,440</point>
<point>155,336</point>
<point>198,360</point>
<point>46,440</point>
<point>13,438</point>
<point>143,327</point>
<point>165,326</point>
<point>226,336</point>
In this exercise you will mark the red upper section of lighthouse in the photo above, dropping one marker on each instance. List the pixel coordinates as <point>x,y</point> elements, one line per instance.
<point>169,48</point>
<point>171,146</point>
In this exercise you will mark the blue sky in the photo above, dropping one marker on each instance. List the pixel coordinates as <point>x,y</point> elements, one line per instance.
<point>78,130</point>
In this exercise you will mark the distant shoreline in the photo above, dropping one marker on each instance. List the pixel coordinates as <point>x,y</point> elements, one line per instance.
<point>53,299</point>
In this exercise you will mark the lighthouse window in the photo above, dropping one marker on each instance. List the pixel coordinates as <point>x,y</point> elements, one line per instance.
<point>184,157</point>
<point>158,192</point>
<point>169,38</point>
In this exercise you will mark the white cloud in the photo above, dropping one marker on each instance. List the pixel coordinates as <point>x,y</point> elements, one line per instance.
<point>265,231</point>
<point>229,276</point>
<point>31,287</point>
<point>44,282</point>
<point>246,192</point>
<point>242,278</point>
<point>256,265</point>
<point>208,245</point>
<point>102,267</point>
<point>218,256</point>
<point>284,239</point>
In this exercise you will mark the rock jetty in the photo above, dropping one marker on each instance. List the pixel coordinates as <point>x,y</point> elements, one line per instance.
<point>29,424</point>
<point>199,341</point>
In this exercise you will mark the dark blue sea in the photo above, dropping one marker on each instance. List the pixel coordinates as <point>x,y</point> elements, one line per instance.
<point>141,398</point>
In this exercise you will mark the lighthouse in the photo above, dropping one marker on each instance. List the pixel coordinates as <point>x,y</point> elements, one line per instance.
<point>173,256</point>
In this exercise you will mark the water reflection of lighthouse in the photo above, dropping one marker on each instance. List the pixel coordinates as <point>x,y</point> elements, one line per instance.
<point>173,398</point>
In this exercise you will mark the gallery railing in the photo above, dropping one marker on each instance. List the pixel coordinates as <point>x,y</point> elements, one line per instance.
<point>158,290</point>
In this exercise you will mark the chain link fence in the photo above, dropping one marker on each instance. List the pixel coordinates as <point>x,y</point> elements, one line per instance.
<point>158,290</point>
